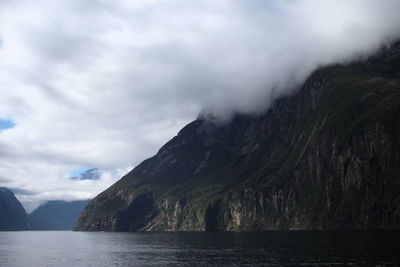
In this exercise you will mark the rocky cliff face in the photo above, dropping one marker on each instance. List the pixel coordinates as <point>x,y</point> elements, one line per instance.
<point>12,215</point>
<point>327,157</point>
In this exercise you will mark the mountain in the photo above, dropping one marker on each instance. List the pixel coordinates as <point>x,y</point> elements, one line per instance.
<point>12,214</point>
<point>56,215</point>
<point>326,157</point>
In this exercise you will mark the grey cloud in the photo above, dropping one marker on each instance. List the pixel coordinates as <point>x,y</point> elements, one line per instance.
<point>19,191</point>
<point>104,84</point>
<point>2,180</point>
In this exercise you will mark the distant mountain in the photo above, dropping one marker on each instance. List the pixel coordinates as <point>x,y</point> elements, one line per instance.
<point>326,157</point>
<point>91,174</point>
<point>56,215</point>
<point>12,214</point>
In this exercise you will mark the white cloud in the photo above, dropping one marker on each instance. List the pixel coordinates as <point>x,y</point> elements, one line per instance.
<point>104,84</point>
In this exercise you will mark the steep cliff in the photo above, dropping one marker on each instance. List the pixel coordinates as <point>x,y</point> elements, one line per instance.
<point>12,214</point>
<point>327,157</point>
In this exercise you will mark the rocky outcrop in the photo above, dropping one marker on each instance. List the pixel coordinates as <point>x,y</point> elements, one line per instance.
<point>326,157</point>
<point>12,214</point>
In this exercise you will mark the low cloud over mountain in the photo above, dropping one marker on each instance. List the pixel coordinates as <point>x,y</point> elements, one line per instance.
<point>104,84</point>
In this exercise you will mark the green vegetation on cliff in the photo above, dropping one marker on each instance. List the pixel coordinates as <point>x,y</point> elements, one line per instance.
<point>327,157</point>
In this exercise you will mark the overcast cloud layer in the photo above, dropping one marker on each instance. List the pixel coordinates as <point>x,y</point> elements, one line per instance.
<point>105,83</point>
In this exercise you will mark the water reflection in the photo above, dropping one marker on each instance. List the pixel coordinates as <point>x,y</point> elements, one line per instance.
<point>200,249</point>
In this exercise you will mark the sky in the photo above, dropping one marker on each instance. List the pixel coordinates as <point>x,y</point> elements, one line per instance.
<point>6,124</point>
<point>103,84</point>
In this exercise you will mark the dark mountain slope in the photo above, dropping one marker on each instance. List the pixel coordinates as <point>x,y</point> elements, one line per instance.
<point>57,215</point>
<point>327,157</point>
<point>12,214</point>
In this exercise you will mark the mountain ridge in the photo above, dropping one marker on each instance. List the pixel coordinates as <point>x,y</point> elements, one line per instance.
<point>325,157</point>
<point>13,216</point>
<point>56,215</point>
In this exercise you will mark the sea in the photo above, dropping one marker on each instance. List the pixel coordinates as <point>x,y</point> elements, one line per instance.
<point>275,248</point>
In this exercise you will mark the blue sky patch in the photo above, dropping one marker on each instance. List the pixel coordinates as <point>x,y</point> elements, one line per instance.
<point>78,171</point>
<point>6,124</point>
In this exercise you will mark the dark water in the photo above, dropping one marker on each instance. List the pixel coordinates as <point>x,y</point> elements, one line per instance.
<point>200,249</point>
